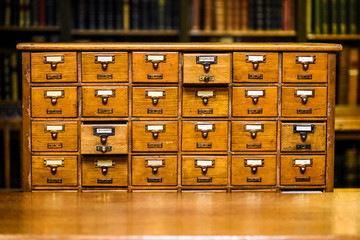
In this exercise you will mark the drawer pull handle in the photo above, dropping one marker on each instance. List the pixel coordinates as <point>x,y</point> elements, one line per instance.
<point>104,165</point>
<point>105,94</point>
<point>155,129</point>
<point>54,135</point>
<point>53,164</point>
<point>204,129</point>
<point>155,101</point>
<point>155,59</point>
<point>253,129</point>
<point>104,61</point>
<point>155,135</point>
<point>303,130</point>
<point>104,100</point>
<point>155,96</point>
<point>254,164</point>
<point>155,164</point>
<point>103,139</point>
<point>304,95</point>
<point>255,60</point>
<point>204,164</point>
<point>103,133</point>
<point>53,101</point>
<point>54,95</point>
<point>206,68</point>
<point>305,61</point>
<point>253,134</point>
<point>303,164</point>
<point>304,99</point>
<point>254,95</point>
<point>206,61</point>
<point>205,95</point>
<point>53,61</point>
<point>205,100</point>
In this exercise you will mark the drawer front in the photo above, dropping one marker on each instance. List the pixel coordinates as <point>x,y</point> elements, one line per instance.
<point>304,101</point>
<point>54,136</point>
<point>305,67</point>
<point>107,101</point>
<point>255,67</point>
<point>204,136</point>
<point>155,67</point>
<point>302,170</point>
<point>253,170</point>
<point>304,136</point>
<point>154,170</point>
<point>204,170</point>
<point>155,102</point>
<point>255,102</point>
<point>53,67</point>
<point>207,68</point>
<point>54,102</point>
<point>253,136</point>
<point>105,67</point>
<point>54,171</point>
<point>155,136</point>
<point>104,138</point>
<point>104,171</point>
<point>205,102</point>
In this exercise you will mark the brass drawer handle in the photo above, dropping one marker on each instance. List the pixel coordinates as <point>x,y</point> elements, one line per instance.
<point>155,129</point>
<point>155,96</point>
<point>254,95</point>
<point>304,95</point>
<point>304,130</point>
<point>105,94</point>
<point>104,165</point>
<point>206,61</point>
<point>254,164</point>
<point>204,164</point>
<point>155,59</point>
<point>204,129</point>
<point>154,164</point>
<point>54,61</point>
<point>303,164</point>
<point>205,95</point>
<point>104,60</point>
<point>53,164</point>
<point>253,129</point>
<point>54,129</point>
<point>103,133</point>
<point>305,61</point>
<point>54,95</point>
<point>255,60</point>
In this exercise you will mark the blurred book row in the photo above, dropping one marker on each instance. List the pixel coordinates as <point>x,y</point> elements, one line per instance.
<point>10,75</point>
<point>126,14</point>
<point>26,13</point>
<point>347,164</point>
<point>235,15</point>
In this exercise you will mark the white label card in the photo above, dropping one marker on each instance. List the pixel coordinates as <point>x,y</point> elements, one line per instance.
<point>304,128</point>
<point>306,59</point>
<point>54,128</point>
<point>204,163</point>
<point>155,162</point>
<point>206,59</point>
<point>104,130</point>
<point>155,57</point>
<point>54,93</point>
<point>105,92</point>
<point>256,58</point>
<point>255,93</point>
<point>53,162</point>
<point>105,58</point>
<point>302,161</point>
<point>53,58</point>
<point>104,163</point>
<point>205,93</point>
<point>305,92</point>
<point>204,127</point>
<point>155,93</point>
<point>155,127</point>
<point>254,162</point>
<point>253,127</point>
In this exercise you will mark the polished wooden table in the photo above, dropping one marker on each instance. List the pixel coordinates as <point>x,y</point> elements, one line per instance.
<point>169,216</point>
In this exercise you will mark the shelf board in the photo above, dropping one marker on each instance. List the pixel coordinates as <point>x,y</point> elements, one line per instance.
<point>243,33</point>
<point>30,29</point>
<point>334,37</point>
<point>119,32</point>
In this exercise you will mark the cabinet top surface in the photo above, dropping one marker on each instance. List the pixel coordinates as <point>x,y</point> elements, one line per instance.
<point>307,47</point>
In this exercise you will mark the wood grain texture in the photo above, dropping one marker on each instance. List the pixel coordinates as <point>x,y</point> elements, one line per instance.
<point>92,104</point>
<point>67,173</point>
<point>268,69</point>
<point>168,104</point>
<point>118,69</point>
<point>118,174</point>
<point>289,139</point>
<point>220,70</point>
<point>168,69</point>
<point>240,172</point>
<point>291,102</point>
<point>217,138</point>
<point>40,104</point>
<point>291,69</point>
<point>67,69</point>
<point>191,103</point>
<point>167,173</point>
<point>289,172</point>
<point>190,173</point>
<point>68,139</point>
<point>118,142</point>
<point>241,139</point>
<point>241,105</point>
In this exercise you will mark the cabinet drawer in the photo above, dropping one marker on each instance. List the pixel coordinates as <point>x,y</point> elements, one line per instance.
<point>304,136</point>
<point>54,171</point>
<point>104,171</point>
<point>255,102</point>
<point>50,136</point>
<point>109,101</point>
<point>304,101</point>
<point>105,67</point>
<point>155,102</point>
<point>54,102</point>
<point>204,136</point>
<point>253,170</point>
<point>255,67</point>
<point>104,138</point>
<point>155,67</point>
<point>253,136</point>
<point>154,170</point>
<point>305,67</point>
<point>53,67</point>
<point>204,170</point>
<point>203,102</point>
<point>302,170</point>
<point>207,68</point>
<point>155,136</point>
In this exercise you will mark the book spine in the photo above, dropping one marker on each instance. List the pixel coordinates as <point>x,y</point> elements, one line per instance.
<point>135,15</point>
<point>342,16</point>
<point>35,12</point>
<point>92,14</point>
<point>325,17</point>
<point>229,16</point>
<point>353,76</point>
<point>7,21</point>
<point>259,15</point>
<point>251,15</point>
<point>352,26</point>
<point>286,15</point>
<point>50,12</point>
<point>268,15</point>
<point>195,15</point>
<point>334,16</point>
<point>244,14</point>
<point>237,15</point>
<point>220,15</point>
<point>154,20</point>
<point>101,14</point>
<point>15,12</point>
<point>161,14</point>
<point>317,16</point>
<point>343,77</point>
<point>126,14</point>
<point>145,14</point>
<point>351,166</point>
<point>109,14</point>
<point>27,15</point>
<point>1,76</point>
<point>208,14</point>
<point>119,14</point>
<point>58,4</point>
<point>168,15</point>
<point>7,78</point>
<point>21,13</point>
<point>42,17</point>
<point>14,76</point>
<point>175,14</point>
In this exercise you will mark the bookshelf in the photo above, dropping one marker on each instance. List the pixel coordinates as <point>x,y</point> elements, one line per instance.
<point>296,25</point>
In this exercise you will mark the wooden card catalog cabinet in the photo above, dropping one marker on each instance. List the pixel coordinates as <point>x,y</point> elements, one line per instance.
<point>178,117</point>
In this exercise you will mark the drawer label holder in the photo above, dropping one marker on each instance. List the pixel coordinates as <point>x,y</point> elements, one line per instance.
<point>54,95</point>
<point>53,164</point>
<point>104,165</point>
<point>255,60</point>
<point>54,129</point>
<point>204,129</point>
<point>254,95</point>
<point>154,164</point>
<point>304,130</point>
<point>304,95</point>
<point>155,59</point>
<point>155,95</point>
<point>253,129</point>
<point>103,133</point>
<point>305,61</point>
<point>302,164</point>
<point>206,61</point>
<point>205,95</point>
<point>104,60</point>
<point>204,164</point>
<point>253,164</point>
<point>54,60</point>
<point>105,94</point>
<point>155,129</point>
